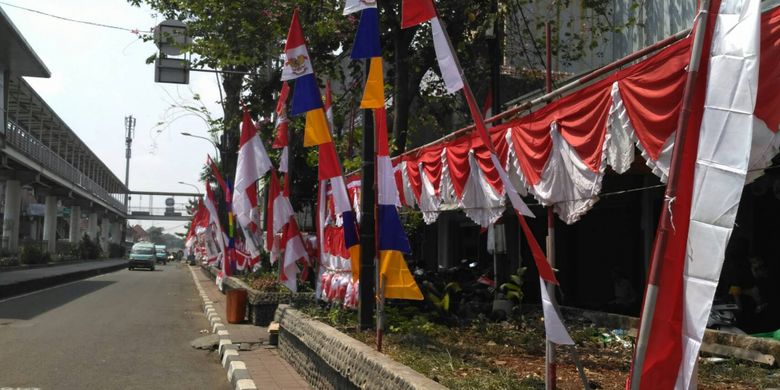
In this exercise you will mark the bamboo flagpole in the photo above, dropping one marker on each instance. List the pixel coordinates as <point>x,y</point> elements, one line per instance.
<point>665,224</point>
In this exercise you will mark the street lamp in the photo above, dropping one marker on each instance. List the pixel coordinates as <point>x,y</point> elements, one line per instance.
<point>193,186</point>
<point>216,149</point>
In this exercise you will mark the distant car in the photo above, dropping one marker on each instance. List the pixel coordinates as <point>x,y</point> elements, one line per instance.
<point>161,254</point>
<point>142,255</point>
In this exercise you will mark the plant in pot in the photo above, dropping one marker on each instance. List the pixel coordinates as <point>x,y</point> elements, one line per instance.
<point>509,297</point>
<point>264,297</point>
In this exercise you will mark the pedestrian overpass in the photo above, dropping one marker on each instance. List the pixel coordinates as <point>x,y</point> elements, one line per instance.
<point>47,171</point>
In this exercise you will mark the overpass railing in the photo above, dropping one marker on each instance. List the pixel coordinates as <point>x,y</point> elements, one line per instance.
<point>31,147</point>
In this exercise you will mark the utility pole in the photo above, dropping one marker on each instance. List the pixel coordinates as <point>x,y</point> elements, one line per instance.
<point>129,134</point>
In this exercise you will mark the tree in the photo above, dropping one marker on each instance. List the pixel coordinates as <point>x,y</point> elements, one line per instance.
<point>155,234</point>
<point>246,38</point>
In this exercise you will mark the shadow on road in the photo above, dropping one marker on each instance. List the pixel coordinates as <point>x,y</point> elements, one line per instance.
<point>31,306</point>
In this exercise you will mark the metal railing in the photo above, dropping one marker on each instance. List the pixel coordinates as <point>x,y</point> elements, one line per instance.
<point>31,147</point>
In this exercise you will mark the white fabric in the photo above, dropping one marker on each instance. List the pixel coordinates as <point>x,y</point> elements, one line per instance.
<point>447,197</point>
<point>513,167</point>
<point>353,6</point>
<point>283,210</point>
<point>214,219</point>
<point>429,200</point>
<point>283,159</point>
<point>619,153</point>
<point>253,163</point>
<point>566,181</point>
<point>388,192</point>
<point>721,165</point>
<point>480,201</point>
<point>298,63</point>
<point>510,189</point>
<point>340,196</point>
<point>553,325</point>
<point>447,63</point>
<point>293,251</point>
<point>353,189</point>
<point>407,187</point>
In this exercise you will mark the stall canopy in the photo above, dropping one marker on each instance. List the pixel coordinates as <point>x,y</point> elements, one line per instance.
<point>559,152</point>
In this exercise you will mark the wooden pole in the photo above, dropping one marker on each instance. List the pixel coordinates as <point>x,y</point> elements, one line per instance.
<point>664,226</point>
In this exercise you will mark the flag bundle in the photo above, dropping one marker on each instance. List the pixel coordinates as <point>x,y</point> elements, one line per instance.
<point>415,12</point>
<point>215,227</point>
<point>306,99</point>
<point>391,238</point>
<point>253,163</point>
<point>200,220</point>
<point>713,168</point>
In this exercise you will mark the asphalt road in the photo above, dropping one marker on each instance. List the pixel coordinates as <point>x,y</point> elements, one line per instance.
<point>123,330</point>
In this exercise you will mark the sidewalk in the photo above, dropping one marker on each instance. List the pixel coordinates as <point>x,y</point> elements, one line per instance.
<point>27,280</point>
<point>265,366</point>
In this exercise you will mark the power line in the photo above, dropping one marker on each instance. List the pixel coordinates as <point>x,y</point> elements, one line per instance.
<point>131,30</point>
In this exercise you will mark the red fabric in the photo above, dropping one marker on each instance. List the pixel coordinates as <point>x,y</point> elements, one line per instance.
<point>282,102</point>
<point>380,119</point>
<point>432,166</point>
<point>248,129</point>
<point>273,191</point>
<point>767,99</point>
<point>328,95</point>
<point>482,156</point>
<point>652,91</point>
<point>334,242</point>
<point>457,154</point>
<point>219,178</point>
<point>399,183</point>
<point>329,166</point>
<point>664,350</point>
<point>582,121</point>
<point>532,145</point>
<point>414,12</point>
<point>413,173</point>
<point>542,266</point>
<point>295,33</point>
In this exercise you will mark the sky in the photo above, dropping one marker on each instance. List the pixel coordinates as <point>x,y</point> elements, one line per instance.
<point>99,76</point>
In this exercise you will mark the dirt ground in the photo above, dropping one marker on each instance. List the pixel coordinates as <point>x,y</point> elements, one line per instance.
<point>510,354</point>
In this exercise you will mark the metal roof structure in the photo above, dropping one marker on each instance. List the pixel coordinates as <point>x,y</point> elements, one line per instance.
<point>16,55</point>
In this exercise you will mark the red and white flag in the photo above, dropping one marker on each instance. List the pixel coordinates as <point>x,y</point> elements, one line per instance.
<point>329,105</point>
<point>281,219</point>
<point>211,205</point>
<point>282,140</point>
<point>712,173</point>
<point>253,163</point>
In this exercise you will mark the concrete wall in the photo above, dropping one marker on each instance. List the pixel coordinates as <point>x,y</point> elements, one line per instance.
<point>329,359</point>
<point>655,20</point>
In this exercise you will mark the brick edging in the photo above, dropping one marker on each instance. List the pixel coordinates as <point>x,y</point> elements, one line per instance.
<point>237,374</point>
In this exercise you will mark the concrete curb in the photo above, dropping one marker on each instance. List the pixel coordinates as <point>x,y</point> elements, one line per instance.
<point>27,286</point>
<point>237,374</point>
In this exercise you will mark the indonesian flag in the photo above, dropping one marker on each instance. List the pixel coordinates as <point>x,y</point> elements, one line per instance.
<point>282,139</point>
<point>414,12</point>
<point>199,220</point>
<point>211,205</point>
<point>217,175</point>
<point>714,164</point>
<point>282,220</point>
<point>253,163</point>
<point>329,105</point>
<point>487,106</point>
